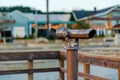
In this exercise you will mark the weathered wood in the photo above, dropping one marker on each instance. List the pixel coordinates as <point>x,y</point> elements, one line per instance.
<point>89,76</point>
<point>29,71</point>
<point>61,64</point>
<point>28,55</point>
<point>72,64</point>
<point>118,74</point>
<point>63,54</point>
<point>30,66</point>
<point>86,70</point>
<point>85,75</point>
<point>63,70</point>
<point>99,60</point>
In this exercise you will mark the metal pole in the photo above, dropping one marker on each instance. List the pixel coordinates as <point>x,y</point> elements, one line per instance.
<point>36,31</point>
<point>72,64</point>
<point>47,8</point>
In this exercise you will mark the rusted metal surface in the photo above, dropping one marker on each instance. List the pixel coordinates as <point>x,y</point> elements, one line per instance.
<point>75,34</point>
<point>30,66</point>
<point>29,71</point>
<point>86,69</point>
<point>72,64</point>
<point>28,55</point>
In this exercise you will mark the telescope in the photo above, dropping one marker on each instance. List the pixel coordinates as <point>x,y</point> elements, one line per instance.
<point>62,33</point>
<point>65,33</point>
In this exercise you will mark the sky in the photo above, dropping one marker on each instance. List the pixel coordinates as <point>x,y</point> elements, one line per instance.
<point>61,5</point>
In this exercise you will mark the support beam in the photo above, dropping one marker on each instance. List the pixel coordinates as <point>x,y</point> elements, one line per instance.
<point>72,64</point>
<point>86,70</point>
<point>30,66</point>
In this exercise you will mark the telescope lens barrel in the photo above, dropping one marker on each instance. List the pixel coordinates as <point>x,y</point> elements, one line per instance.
<point>76,34</point>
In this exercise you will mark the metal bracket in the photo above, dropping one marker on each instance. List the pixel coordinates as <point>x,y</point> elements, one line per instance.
<point>69,45</point>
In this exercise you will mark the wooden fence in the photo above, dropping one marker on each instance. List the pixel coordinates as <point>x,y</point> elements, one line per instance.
<point>70,55</point>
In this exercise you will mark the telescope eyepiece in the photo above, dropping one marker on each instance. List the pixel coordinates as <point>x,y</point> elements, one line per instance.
<point>92,33</point>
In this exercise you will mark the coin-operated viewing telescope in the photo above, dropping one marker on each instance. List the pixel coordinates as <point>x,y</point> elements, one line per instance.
<point>75,34</point>
<point>65,33</point>
<point>72,50</point>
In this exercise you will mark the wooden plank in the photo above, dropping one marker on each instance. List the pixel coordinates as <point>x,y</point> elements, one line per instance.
<point>29,71</point>
<point>94,59</point>
<point>89,76</point>
<point>100,60</point>
<point>72,64</point>
<point>61,64</point>
<point>118,74</point>
<point>85,75</point>
<point>86,70</point>
<point>30,66</point>
<point>62,70</point>
<point>63,54</point>
<point>28,55</point>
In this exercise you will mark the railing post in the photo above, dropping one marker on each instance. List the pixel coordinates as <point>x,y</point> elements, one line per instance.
<point>86,69</point>
<point>30,66</point>
<point>61,64</point>
<point>72,64</point>
<point>118,74</point>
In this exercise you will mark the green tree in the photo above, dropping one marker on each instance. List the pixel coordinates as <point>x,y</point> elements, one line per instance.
<point>20,8</point>
<point>71,17</point>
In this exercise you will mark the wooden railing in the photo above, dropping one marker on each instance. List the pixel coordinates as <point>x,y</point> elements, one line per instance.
<point>29,56</point>
<point>92,59</point>
<point>72,63</point>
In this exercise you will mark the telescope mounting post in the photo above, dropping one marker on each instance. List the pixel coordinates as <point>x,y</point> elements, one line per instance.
<point>69,45</point>
<point>72,59</point>
<point>72,50</point>
<point>77,44</point>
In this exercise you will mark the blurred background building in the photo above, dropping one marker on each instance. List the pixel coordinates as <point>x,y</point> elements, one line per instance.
<point>22,24</point>
<point>104,20</point>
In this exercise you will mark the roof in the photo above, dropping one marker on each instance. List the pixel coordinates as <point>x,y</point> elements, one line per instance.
<point>53,18</point>
<point>17,12</point>
<point>5,19</point>
<point>42,18</point>
<point>82,14</point>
